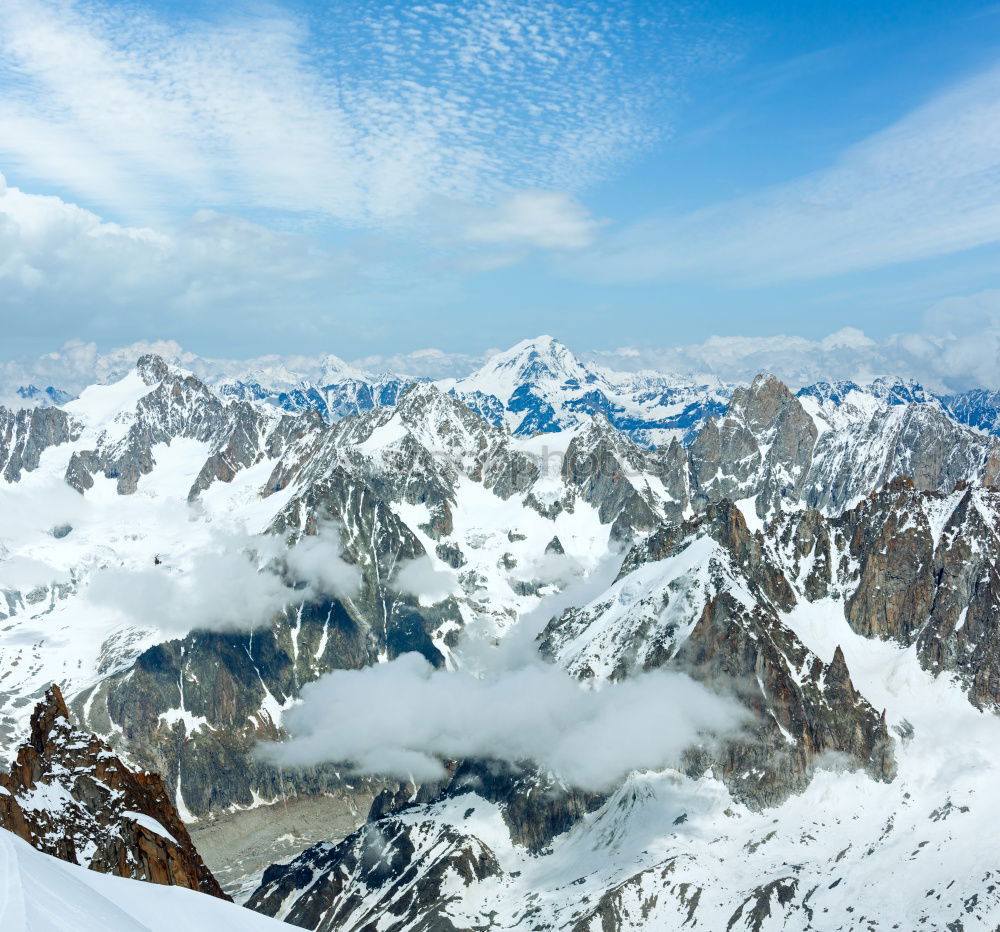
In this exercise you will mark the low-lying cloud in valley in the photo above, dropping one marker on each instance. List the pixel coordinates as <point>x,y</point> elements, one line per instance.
<point>428,583</point>
<point>402,718</point>
<point>236,584</point>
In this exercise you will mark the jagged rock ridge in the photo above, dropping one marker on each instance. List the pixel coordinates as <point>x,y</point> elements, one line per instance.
<point>70,796</point>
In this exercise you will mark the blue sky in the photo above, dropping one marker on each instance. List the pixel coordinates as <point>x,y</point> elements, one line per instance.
<point>372,178</point>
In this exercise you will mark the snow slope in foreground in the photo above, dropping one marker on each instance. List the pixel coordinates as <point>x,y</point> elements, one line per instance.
<point>39,893</point>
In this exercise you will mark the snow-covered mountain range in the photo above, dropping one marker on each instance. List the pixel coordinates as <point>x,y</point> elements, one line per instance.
<point>537,385</point>
<point>195,560</point>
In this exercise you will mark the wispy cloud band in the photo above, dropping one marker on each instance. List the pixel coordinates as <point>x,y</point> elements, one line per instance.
<point>926,186</point>
<point>359,114</point>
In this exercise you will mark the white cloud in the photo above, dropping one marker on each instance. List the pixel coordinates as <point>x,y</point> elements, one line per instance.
<point>425,580</point>
<point>78,363</point>
<point>519,647</point>
<point>399,718</point>
<point>958,348</point>
<point>62,261</point>
<point>237,583</point>
<point>926,186</point>
<point>222,590</point>
<point>351,112</point>
<point>559,569</point>
<point>346,118</point>
<point>316,560</point>
<point>424,363</point>
<point>22,574</point>
<point>550,220</point>
<point>31,514</point>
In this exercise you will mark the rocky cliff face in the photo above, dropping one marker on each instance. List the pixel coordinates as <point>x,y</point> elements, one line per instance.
<point>707,597</point>
<point>70,796</point>
<point>926,574</point>
<point>779,450</point>
<point>194,709</point>
<point>762,447</point>
<point>385,876</point>
<point>25,434</point>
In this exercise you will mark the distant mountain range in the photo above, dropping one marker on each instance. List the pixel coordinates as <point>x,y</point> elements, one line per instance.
<point>540,386</point>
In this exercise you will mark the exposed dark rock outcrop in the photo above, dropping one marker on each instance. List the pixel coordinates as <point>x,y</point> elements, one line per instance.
<point>70,796</point>
<point>924,568</point>
<point>769,448</point>
<point>607,470</point>
<point>26,434</point>
<point>392,875</point>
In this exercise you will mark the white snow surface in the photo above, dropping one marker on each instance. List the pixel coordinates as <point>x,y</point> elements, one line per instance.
<point>148,822</point>
<point>50,629</point>
<point>39,893</point>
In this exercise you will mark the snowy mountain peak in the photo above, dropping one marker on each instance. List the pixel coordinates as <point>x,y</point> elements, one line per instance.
<point>541,360</point>
<point>152,369</point>
<point>889,390</point>
<point>332,367</point>
<point>437,418</point>
<point>759,404</point>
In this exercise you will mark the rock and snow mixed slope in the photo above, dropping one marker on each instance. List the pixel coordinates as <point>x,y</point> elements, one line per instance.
<point>150,478</point>
<point>803,823</point>
<point>776,523</point>
<point>70,796</point>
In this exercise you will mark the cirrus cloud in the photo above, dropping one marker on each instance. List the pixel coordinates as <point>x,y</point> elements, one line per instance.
<point>359,112</point>
<point>927,185</point>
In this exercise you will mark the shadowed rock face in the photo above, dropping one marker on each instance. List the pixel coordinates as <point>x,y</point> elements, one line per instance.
<point>803,708</point>
<point>25,434</point>
<point>70,796</point>
<point>370,879</point>
<point>194,709</point>
<point>535,807</point>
